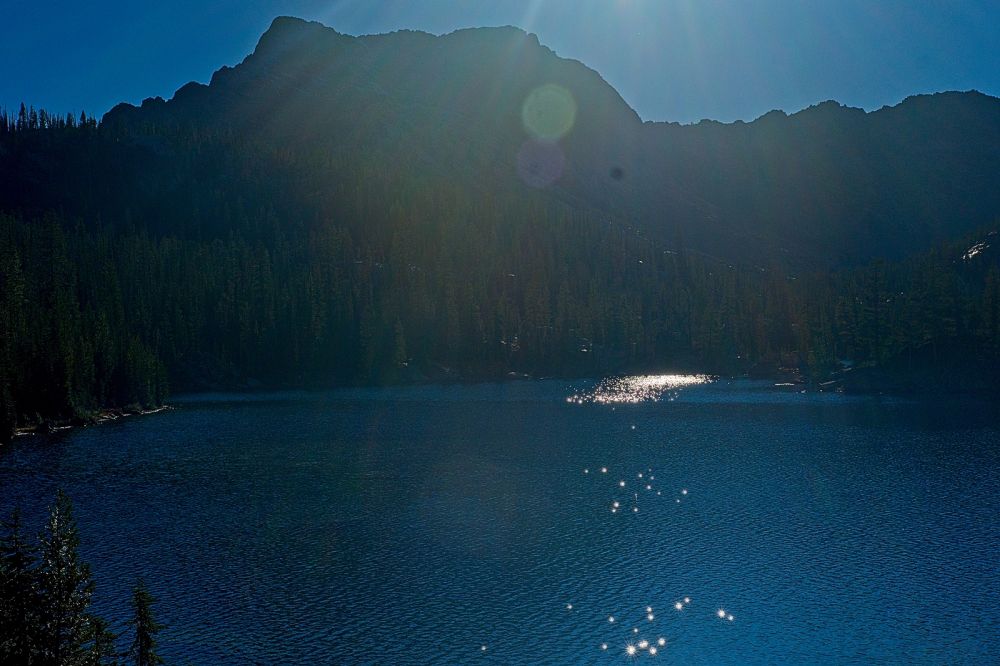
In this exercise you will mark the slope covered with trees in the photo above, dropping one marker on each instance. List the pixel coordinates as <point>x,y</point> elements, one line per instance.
<point>354,210</point>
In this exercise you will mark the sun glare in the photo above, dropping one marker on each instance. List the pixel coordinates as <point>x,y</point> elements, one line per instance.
<point>637,389</point>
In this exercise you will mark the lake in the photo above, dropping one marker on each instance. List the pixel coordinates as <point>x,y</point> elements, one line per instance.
<point>423,524</point>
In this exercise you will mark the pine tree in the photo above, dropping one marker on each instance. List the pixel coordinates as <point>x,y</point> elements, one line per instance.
<point>66,589</point>
<point>102,650</point>
<point>18,596</point>
<point>7,412</point>
<point>143,649</point>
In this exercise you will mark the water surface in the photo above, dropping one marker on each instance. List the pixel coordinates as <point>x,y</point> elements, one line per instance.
<point>419,524</point>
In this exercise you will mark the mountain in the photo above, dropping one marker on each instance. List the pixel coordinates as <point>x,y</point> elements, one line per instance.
<point>408,207</point>
<point>828,185</point>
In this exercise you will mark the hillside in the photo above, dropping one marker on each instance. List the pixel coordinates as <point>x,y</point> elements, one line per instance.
<point>407,207</point>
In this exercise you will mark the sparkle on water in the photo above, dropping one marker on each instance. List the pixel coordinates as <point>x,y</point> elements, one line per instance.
<point>636,645</point>
<point>648,487</point>
<point>637,389</point>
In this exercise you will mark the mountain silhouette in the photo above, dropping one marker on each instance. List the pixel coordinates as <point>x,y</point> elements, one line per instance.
<point>829,184</point>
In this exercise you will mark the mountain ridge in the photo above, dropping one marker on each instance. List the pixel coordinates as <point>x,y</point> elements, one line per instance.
<point>801,187</point>
<point>284,26</point>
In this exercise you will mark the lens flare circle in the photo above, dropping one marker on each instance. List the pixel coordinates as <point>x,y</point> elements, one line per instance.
<point>540,163</point>
<point>549,112</point>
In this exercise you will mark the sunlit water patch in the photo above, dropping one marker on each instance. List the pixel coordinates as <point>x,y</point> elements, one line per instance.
<point>638,388</point>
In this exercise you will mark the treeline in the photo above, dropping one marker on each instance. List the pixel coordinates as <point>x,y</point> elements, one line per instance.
<point>238,262</point>
<point>45,596</point>
<point>28,118</point>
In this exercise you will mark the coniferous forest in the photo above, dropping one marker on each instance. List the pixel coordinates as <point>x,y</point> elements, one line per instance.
<point>431,283</point>
<point>174,247</point>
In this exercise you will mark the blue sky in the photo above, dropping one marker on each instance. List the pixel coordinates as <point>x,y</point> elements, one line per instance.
<point>680,60</point>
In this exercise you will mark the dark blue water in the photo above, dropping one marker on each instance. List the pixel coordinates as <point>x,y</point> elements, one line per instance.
<point>416,525</point>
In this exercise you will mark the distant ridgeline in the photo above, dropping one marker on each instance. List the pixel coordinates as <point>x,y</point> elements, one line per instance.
<point>401,207</point>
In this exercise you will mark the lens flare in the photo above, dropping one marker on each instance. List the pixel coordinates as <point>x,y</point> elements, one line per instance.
<point>549,112</point>
<point>540,163</point>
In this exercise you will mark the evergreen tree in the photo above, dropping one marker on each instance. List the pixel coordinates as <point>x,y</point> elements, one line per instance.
<point>66,588</point>
<point>143,649</point>
<point>7,413</point>
<point>102,651</point>
<point>19,596</point>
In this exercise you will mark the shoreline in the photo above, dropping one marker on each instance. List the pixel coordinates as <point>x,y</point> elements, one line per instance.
<point>848,381</point>
<point>50,427</point>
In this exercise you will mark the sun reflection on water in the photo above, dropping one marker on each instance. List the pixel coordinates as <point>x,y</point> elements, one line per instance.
<point>637,388</point>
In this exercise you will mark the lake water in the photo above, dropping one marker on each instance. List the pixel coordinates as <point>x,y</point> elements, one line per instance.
<point>419,524</point>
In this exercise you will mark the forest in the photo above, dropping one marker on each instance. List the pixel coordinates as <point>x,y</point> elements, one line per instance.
<point>241,276</point>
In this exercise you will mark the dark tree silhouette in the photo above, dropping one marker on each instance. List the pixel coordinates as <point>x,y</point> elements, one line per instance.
<point>143,649</point>
<point>19,595</point>
<point>103,651</point>
<point>65,588</point>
